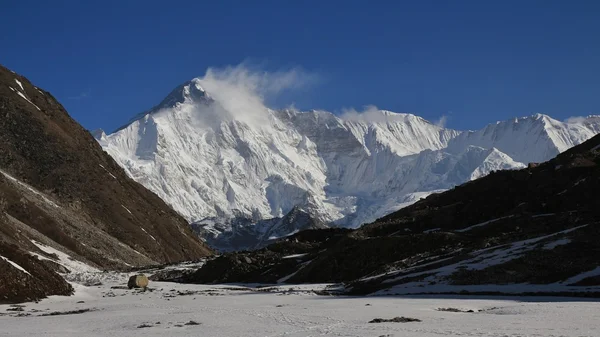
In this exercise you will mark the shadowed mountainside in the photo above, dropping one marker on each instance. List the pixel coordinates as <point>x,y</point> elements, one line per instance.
<point>59,188</point>
<point>536,226</point>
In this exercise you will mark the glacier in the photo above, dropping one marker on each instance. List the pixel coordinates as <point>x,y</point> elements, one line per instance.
<point>244,174</point>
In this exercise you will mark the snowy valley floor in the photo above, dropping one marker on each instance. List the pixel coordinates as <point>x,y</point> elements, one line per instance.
<point>226,310</point>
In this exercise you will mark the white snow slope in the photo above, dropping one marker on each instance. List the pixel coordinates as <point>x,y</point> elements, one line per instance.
<point>210,156</point>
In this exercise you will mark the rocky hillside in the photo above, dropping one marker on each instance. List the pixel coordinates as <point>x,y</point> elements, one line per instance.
<point>534,230</point>
<point>58,188</point>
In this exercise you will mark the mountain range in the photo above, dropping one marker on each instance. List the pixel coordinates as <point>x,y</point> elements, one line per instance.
<point>530,231</point>
<point>244,175</point>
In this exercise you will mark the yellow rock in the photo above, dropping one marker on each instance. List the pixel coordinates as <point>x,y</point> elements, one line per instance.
<point>137,281</point>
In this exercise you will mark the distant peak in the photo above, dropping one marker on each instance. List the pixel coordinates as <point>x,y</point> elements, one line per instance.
<point>534,117</point>
<point>582,119</point>
<point>190,91</point>
<point>539,116</point>
<point>380,116</point>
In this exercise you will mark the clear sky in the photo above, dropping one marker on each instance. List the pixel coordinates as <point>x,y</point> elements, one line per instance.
<point>473,61</point>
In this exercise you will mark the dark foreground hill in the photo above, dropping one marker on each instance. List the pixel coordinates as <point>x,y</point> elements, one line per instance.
<point>529,230</point>
<point>60,189</point>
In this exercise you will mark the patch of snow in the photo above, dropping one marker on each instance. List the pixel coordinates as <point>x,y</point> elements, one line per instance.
<point>127,210</point>
<point>425,288</point>
<point>543,215</point>
<point>63,259</point>
<point>294,256</point>
<point>27,99</point>
<point>275,237</point>
<point>481,259</point>
<point>482,224</point>
<point>139,252</point>
<point>31,189</point>
<point>582,276</point>
<point>535,240</point>
<point>431,230</point>
<point>19,83</point>
<point>554,244</point>
<point>417,265</point>
<point>302,266</point>
<point>153,238</point>
<point>15,265</point>
<point>107,171</point>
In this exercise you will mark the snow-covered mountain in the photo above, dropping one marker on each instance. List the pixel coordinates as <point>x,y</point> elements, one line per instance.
<point>241,172</point>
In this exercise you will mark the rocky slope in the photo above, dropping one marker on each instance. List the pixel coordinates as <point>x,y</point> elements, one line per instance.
<point>234,167</point>
<point>534,230</point>
<point>58,188</point>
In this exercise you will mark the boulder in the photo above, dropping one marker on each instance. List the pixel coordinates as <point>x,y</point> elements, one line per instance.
<point>137,281</point>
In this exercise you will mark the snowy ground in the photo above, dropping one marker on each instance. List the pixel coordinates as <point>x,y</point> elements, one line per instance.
<point>239,311</point>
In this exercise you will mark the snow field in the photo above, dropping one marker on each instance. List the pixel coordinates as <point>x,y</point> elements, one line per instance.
<point>223,311</point>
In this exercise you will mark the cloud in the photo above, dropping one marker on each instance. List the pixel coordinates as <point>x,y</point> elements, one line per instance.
<point>441,122</point>
<point>575,119</point>
<point>241,91</point>
<point>370,113</point>
<point>83,95</point>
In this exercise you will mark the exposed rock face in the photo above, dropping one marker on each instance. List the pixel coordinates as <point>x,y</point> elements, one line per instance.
<point>535,226</point>
<point>248,234</point>
<point>59,188</point>
<point>24,278</point>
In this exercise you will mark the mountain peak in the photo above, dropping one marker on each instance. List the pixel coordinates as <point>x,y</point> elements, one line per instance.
<point>539,116</point>
<point>188,92</point>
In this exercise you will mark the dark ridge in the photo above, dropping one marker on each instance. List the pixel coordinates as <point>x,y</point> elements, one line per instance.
<point>59,188</point>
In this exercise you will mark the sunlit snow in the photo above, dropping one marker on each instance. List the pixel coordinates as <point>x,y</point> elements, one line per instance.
<point>20,85</point>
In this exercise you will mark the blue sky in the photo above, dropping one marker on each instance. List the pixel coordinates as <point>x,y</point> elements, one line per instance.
<point>473,61</point>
